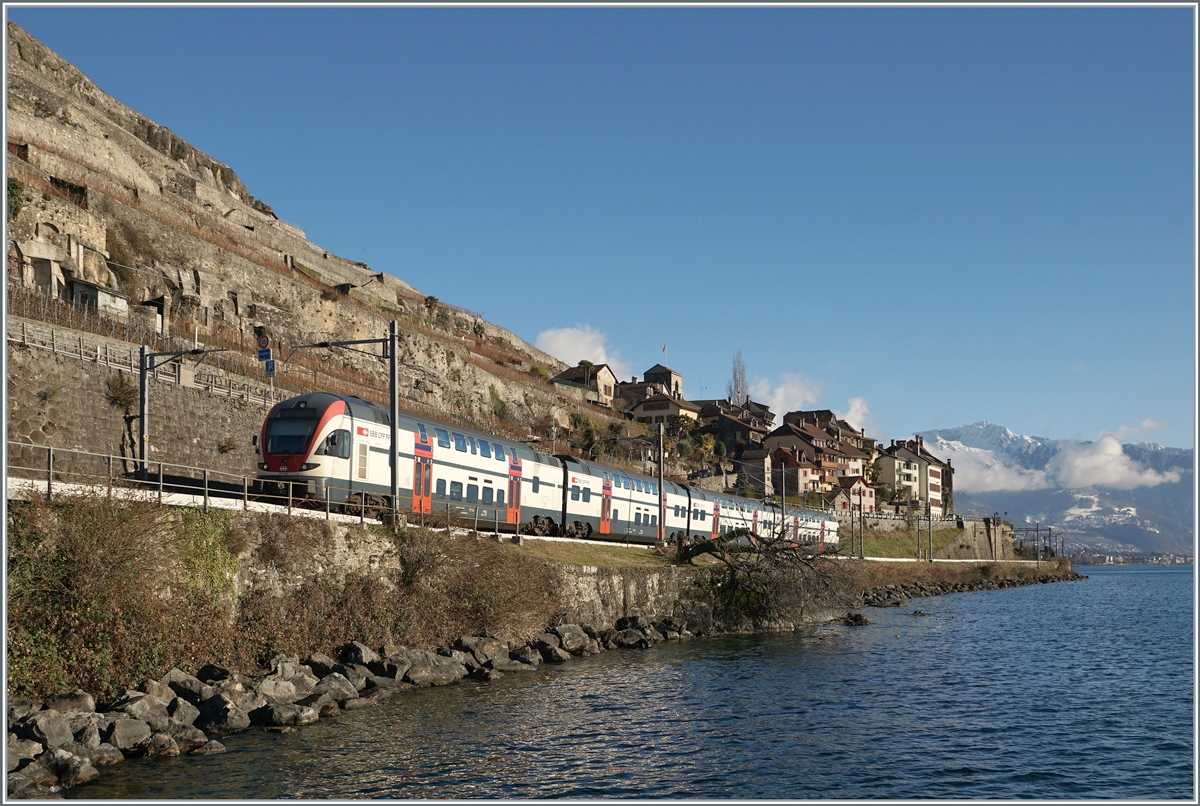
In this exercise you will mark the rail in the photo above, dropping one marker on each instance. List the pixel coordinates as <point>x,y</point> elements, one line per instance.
<point>43,470</point>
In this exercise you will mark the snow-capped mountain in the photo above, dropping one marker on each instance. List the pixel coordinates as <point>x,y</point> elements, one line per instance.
<point>1137,497</point>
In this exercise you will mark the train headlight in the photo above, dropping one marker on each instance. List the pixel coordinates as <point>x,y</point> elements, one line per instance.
<point>310,465</point>
<point>262,465</point>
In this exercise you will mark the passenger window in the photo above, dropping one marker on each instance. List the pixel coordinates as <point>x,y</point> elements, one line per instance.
<point>587,494</point>
<point>441,488</point>
<point>625,483</point>
<point>443,437</point>
<point>472,493</point>
<point>616,515</point>
<point>460,442</point>
<point>637,518</point>
<point>637,484</point>
<point>472,441</point>
<point>499,498</point>
<point>421,429</point>
<point>499,451</point>
<point>485,449</point>
<point>654,520</point>
<point>456,491</point>
<point>487,491</point>
<point>513,452</point>
<point>575,493</point>
<point>537,484</point>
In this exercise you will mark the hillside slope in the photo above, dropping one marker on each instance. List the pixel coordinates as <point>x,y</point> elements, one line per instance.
<point>140,211</point>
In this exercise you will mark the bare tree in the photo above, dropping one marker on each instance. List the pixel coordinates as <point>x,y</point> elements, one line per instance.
<point>771,578</point>
<point>738,393</point>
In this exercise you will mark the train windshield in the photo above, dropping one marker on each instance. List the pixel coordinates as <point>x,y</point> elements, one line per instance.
<point>289,431</point>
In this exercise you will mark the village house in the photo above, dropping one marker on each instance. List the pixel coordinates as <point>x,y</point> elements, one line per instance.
<point>861,494</point>
<point>661,408</point>
<point>792,474</point>
<point>737,427</point>
<point>598,380</point>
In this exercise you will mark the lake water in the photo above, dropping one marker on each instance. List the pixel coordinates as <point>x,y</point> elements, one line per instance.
<point>1079,690</point>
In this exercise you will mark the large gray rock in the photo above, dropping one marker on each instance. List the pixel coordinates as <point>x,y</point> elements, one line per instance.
<point>426,668</point>
<point>211,747</point>
<point>160,744</point>
<point>484,649</point>
<point>126,734</point>
<point>88,736</point>
<point>303,682</point>
<point>183,711</point>
<point>275,714</point>
<point>23,750</point>
<point>157,689</point>
<point>316,700</point>
<point>218,714</point>
<point>99,755</point>
<point>572,636</point>
<point>321,665</point>
<point>336,686</point>
<point>187,686</point>
<point>527,654</point>
<point>358,653</point>
<point>276,690</point>
<point>149,709</point>
<point>38,773</point>
<point>70,768</point>
<point>77,700</point>
<point>185,736</point>
<point>391,667</point>
<point>50,728</point>
<point>285,667</point>
<point>357,675</point>
<point>630,639</point>
<point>507,665</point>
<point>21,707</point>
<point>553,654</point>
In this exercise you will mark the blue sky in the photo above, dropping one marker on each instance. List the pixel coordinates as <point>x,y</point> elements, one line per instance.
<point>919,217</point>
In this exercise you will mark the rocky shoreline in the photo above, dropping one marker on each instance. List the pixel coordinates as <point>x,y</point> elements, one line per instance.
<point>894,595</point>
<point>60,742</point>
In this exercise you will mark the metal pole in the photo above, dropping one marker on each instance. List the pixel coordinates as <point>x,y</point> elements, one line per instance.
<point>160,481</point>
<point>393,381</point>
<point>662,506</point>
<point>1037,545</point>
<point>143,409</point>
<point>245,493</point>
<point>206,489</point>
<point>49,472</point>
<point>288,484</point>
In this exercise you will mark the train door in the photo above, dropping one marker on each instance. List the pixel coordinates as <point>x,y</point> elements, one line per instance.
<point>821,544</point>
<point>716,527</point>
<point>514,489</point>
<point>422,489</point>
<point>606,506</point>
<point>795,531</point>
<point>754,524</point>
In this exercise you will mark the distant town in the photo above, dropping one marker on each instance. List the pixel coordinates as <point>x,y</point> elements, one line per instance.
<point>815,456</point>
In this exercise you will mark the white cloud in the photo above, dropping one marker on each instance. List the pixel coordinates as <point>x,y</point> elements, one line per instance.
<point>979,471</point>
<point>1103,464</point>
<point>790,392</point>
<point>857,414</point>
<point>582,343</point>
<point>1146,427</point>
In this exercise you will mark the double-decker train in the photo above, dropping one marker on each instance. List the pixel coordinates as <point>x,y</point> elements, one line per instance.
<point>337,449</point>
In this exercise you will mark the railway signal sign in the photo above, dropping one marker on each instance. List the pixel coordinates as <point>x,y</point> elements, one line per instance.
<point>270,368</point>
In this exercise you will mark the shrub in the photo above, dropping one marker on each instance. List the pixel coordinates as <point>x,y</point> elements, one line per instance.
<point>49,395</point>
<point>539,371</point>
<point>16,197</point>
<point>499,407</point>
<point>120,391</point>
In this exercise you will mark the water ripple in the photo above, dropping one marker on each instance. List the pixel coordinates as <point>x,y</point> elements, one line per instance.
<point>1080,690</point>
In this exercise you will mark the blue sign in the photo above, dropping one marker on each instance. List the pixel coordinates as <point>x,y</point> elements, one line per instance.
<point>264,355</point>
<point>270,369</point>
